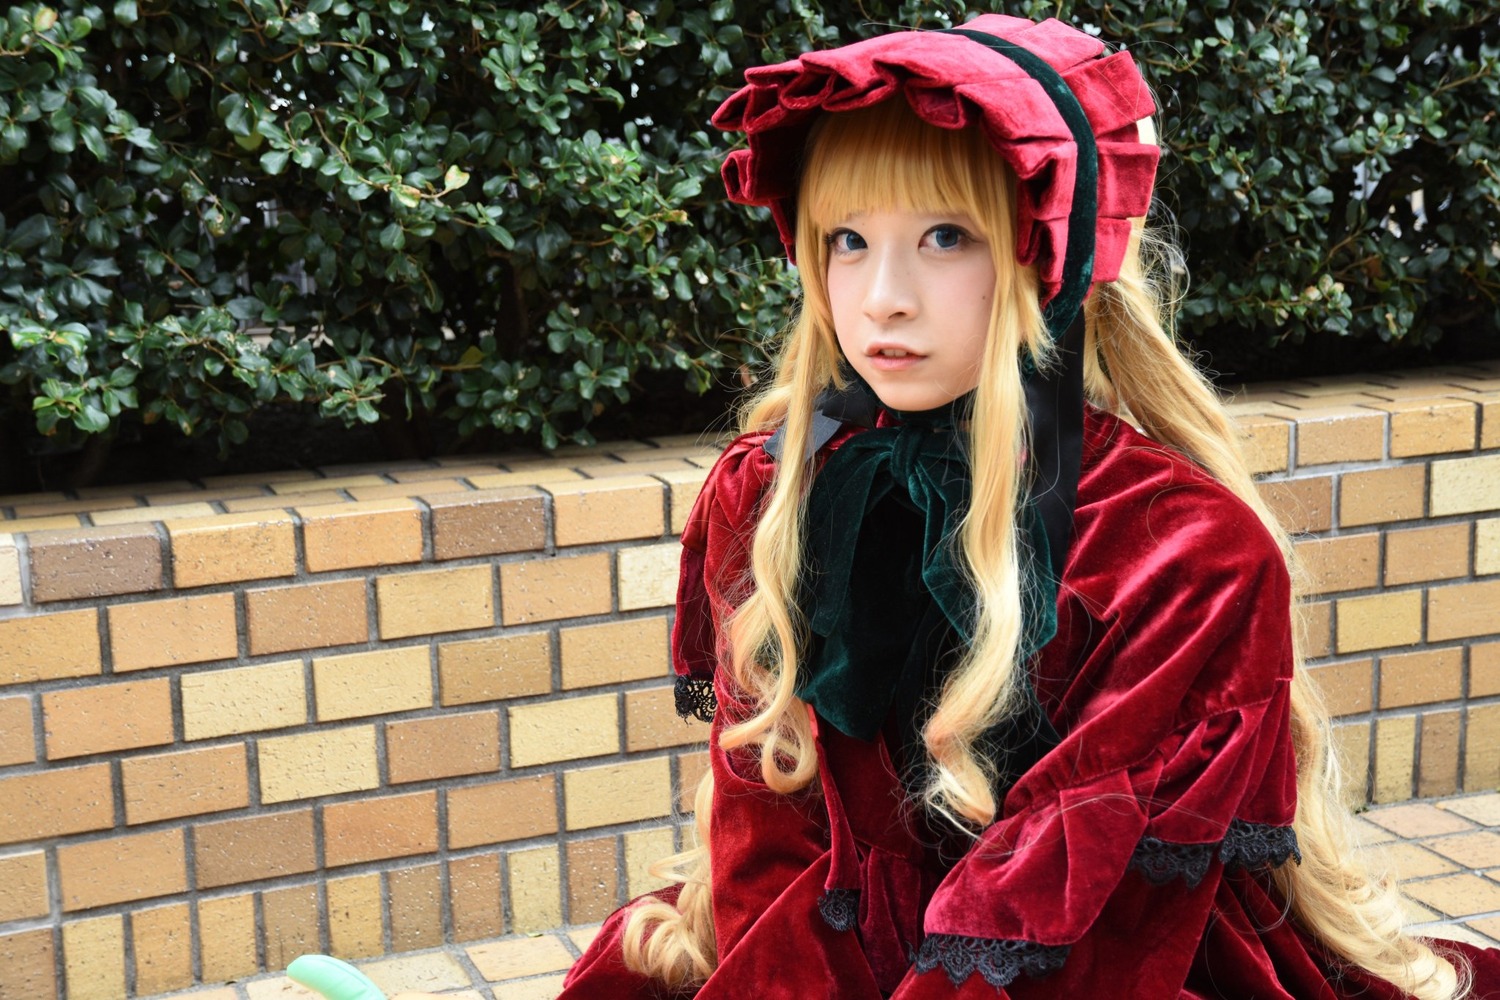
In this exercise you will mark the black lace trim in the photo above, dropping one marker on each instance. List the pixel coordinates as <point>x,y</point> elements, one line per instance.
<point>695,698</point>
<point>999,962</point>
<point>1245,845</point>
<point>840,908</point>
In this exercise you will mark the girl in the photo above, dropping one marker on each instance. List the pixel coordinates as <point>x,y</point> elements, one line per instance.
<point>1004,692</point>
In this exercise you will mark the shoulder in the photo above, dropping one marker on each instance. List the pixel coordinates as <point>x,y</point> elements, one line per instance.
<point>731,493</point>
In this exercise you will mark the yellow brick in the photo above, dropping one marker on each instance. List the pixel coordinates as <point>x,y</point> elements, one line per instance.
<point>313,485</point>
<point>494,668</point>
<point>396,679</point>
<point>1437,772</point>
<point>438,600</point>
<point>1265,442</point>
<point>226,938</point>
<point>163,940</point>
<point>1395,752</point>
<point>10,571</point>
<point>1462,485</point>
<point>535,890</point>
<point>652,722</point>
<point>324,762</point>
<point>644,848</point>
<point>618,793</point>
<point>683,488</point>
<point>1340,434</point>
<point>1314,624</point>
<point>1487,546</point>
<point>1482,748</point>
<point>648,576</point>
<point>564,730</point>
<point>355,927</point>
<point>168,633</point>
<point>507,480</point>
<point>1421,677</point>
<point>1430,426</point>
<point>147,515</point>
<point>606,510</point>
<point>94,958</point>
<point>46,647</point>
<point>1375,496</point>
<point>243,700</point>
<point>373,533</point>
<point>1380,620</point>
<point>1458,610</point>
<point>1347,562</point>
<point>615,652</point>
<point>229,548</point>
<point>546,589</point>
<point>23,886</point>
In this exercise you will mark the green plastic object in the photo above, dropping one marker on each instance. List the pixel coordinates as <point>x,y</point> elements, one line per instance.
<point>332,978</point>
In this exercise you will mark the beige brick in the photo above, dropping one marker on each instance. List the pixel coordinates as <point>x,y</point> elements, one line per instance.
<point>615,652</point>
<point>306,616</point>
<point>1265,442</point>
<point>290,917</point>
<point>474,897</point>
<point>545,589</point>
<point>1346,687</point>
<point>295,487</point>
<point>1437,771</point>
<point>95,562</point>
<point>1487,545</point>
<point>10,571</point>
<point>501,810</point>
<point>651,721</point>
<point>82,721</point>
<point>1481,748</point>
<point>26,525</point>
<point>355,925</point>
<point>436,489</point>
<point>606,510</point>
<point>171,632</point>
<point>438,600</point>
<point>1395,751</point>
<point>94,958</point>
<point>1484,670</point>
<point>1375,496</point>
<point>389,679</point>
<point>535,889</point>
<point>233,851</point>
<point>121,869</point>
<point>1300,505</point>
<point>443,747</point>
<point>593,880</point>
<point>1431,426</point>
<point>1489,421</point>
<point>416,908</point>
<point>650,466</point>
<point>527,956</point>
<point>186,783</point>
<point>282,504</point>
<point>617,793</point>
<point>1380,620</point>
<point>1314,624</point>
<point>691,767</point>
<point>373,829</point>
<point>56,802</point>
<point>23,887</point>
<point>1462,485</point>
<point>1421,678</point>
<point>325,762</point>
<point>1456,895</point>
<point>435,971</point>
<point>243,700</point>
<point>1348,562</point>
<point>51,508</point>
<point>501,480</point>
<point>27,965</point>
<point>163,949</point>
<point>494,668</point>
<point>1340,434</point>
<point>644,848</point>
<point>488,522</point>
<point>47,647</point>
<point>371,533</point>
<point>226,938</point>
<point>229,548</point>
<point>1457,610</point>
<point>648,576</point>
<point>564,730</point>
<point>1417,555</point>
<point>17,733</point>
<point>683,488</point>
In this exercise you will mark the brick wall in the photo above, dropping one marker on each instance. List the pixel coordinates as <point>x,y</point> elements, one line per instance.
<point>368,709</point>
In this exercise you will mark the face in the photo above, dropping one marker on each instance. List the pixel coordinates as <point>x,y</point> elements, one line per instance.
<point>911,295</point>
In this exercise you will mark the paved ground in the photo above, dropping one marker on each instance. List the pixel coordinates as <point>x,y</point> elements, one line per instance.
<point>1447,852</point>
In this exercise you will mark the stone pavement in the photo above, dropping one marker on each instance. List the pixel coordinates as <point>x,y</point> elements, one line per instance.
<point>1446,851</point>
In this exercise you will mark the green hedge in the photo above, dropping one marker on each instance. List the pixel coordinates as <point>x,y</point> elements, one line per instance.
<point>502,220</point>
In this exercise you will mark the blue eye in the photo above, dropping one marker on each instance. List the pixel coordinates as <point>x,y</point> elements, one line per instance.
<point>947,237</point>
<point>844,241</point>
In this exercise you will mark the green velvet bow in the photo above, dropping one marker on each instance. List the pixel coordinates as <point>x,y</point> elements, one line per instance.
<point>887,601</point>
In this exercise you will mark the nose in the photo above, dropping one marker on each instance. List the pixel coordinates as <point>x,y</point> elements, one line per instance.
<point>892,290</point>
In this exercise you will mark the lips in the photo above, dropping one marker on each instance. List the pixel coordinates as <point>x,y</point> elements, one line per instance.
<point>890,358</point>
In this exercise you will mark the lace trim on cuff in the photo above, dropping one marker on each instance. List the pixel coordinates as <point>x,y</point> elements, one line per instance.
<point>695,698</point>
<point>1245,845</point>
<point>999,962</point>
<point>840,908</point>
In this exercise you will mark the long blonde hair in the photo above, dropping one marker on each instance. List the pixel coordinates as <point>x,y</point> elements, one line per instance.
<point>885,157</point>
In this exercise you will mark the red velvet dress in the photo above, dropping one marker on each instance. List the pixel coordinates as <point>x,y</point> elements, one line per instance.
<point>1130,861</point>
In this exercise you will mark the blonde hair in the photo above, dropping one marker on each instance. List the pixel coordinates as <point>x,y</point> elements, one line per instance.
<point>884,157</point>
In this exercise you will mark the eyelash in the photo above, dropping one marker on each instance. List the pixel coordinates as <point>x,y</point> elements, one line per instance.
<point>831,240</point>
